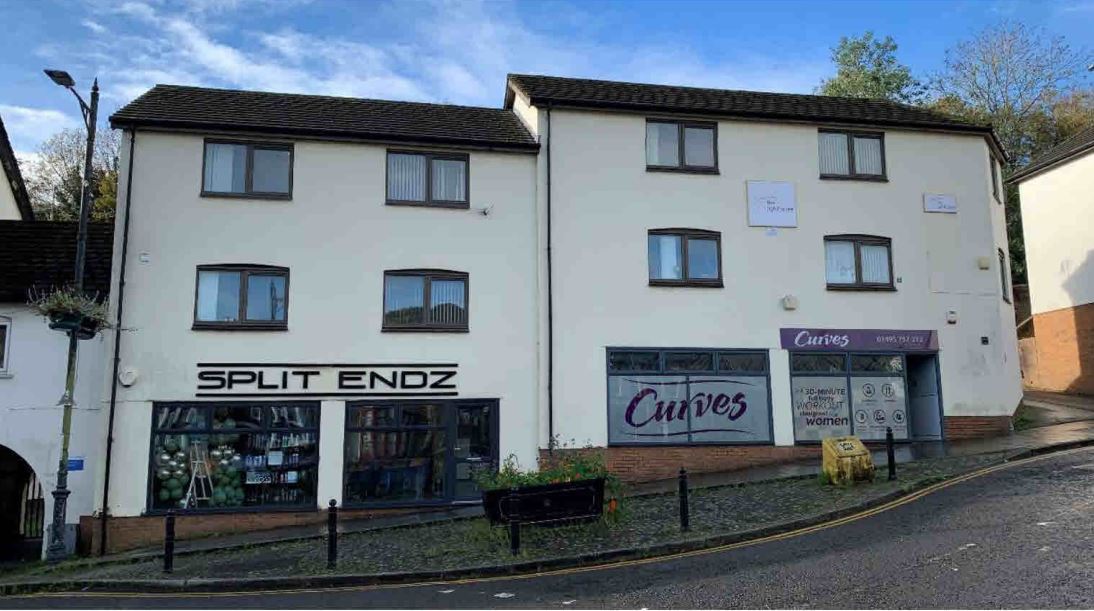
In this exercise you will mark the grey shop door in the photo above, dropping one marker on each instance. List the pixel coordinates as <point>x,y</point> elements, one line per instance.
<point>924,398</point>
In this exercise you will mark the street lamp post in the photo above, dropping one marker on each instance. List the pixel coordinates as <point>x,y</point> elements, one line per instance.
<point>57,550</point>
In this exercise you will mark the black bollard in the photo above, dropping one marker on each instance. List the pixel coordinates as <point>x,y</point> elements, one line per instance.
<point>332,534</point>
<point>169,541</point>
<point>514,521</point>
<point>685,519</point>
<point>889,452</point>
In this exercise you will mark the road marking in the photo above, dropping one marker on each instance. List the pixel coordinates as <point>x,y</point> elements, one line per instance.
<point>446,591</point>
<point>904,500</point>
<point>504,595</point>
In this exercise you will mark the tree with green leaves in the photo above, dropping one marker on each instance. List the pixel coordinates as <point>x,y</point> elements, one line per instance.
<point>55,175</point>
<point>867,67</point>
<point>1030,86</point>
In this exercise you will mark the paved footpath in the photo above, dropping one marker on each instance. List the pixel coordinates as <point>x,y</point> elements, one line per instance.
<point>1020,536</point>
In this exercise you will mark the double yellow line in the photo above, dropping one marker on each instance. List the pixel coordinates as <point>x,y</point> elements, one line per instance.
<point>904,500</point>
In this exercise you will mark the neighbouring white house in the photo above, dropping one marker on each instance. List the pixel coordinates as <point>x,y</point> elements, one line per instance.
<point>1057,195</point>
<point>369,301</point>
<point>14,201</point>
<point>39,256</point>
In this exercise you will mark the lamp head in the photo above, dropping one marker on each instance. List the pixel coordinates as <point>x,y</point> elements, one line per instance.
<point>60,77</point>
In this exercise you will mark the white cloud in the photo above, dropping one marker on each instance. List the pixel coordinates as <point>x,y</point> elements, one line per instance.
<point>93,26</point>
<point>457,52</point>
<point>28,127</point>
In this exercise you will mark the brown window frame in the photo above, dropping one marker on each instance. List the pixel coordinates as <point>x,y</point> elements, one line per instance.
<point>852,174</point>
<point>1004,275</point>
<point>428,276</point>
<point>859,240</point>
<point>685,234</point>
<point>429,201</point>
<point>682,166</point>
<point>5,345</point>
<point>245,270</point>
<point>248,181</point>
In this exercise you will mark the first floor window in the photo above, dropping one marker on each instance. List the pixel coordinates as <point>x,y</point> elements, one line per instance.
<point>428,179</point>
<point>418,451</point>
<point>1004,275</point>
<point>851,155</point>
<point>5,332</point>
<point>241,296</point>
<point>238,454</point>
<point>994,179</point>
<point>425,300</point>
<point>673,145</point>
<point>684,257</point>
<point>247,168</point>
<point>858,262</point>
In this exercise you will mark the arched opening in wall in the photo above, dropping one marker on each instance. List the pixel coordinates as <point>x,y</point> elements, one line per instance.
<point>22,509</point>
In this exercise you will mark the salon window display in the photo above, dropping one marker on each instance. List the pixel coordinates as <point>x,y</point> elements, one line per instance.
<point>224,456</point>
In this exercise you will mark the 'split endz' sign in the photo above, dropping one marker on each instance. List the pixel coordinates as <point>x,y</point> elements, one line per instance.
<point>336,380</point>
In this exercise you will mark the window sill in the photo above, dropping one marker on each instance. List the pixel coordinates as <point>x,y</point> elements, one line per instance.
<point>712,284</point>
<point>683,170</point>
<point>858,177</point>
<point>6,376</point>
<point>450,205</point>
<point>237,327</point>
<point>260,196</point>
<point>862,287</point>
<point>425,330</point>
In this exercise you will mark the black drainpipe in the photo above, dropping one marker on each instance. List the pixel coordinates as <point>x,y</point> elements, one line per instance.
<point>117,347</point>
<point>550,305</point>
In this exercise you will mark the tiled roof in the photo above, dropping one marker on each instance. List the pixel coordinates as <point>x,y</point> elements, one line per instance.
<point>586,93</point>
<point>1076,145</point>
<point>173,106</point>
<point>40,255</point>
<point>9,167</point>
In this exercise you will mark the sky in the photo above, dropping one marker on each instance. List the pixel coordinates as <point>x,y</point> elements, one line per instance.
<point>459,51</point>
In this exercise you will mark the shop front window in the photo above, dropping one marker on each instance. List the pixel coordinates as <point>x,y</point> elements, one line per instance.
<point>840,394</point>
<point>222,456</point>
<point>406,452</point>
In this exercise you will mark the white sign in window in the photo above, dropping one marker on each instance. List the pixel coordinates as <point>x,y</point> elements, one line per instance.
<point>772,204</point>
<point>939,202</point>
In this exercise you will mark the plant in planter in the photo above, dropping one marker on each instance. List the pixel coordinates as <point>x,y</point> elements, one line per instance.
<point>72,311</point>
<point>574,485</point>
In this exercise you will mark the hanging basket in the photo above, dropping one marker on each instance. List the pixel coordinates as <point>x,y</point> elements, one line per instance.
<point>85,327</point>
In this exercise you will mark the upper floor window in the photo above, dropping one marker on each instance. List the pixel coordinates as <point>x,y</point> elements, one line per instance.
<point>247,169</point>
<point>425,300</point>
<point>681,145</point>
<point>847,154</point>
<point>241,297</point>
<point>995,179</point>
<point>858,262</point>
<point>685,257</point>
<point>1004,275</point>
<point>5,341</point>
<point>428,179</point>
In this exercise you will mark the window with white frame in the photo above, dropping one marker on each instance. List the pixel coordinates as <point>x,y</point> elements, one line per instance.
<point>858,262</point>
<point>848,154</point>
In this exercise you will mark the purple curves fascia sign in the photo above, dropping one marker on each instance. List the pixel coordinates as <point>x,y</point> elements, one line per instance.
<point>844,340</point>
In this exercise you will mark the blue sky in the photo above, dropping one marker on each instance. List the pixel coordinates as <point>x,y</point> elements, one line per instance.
<point>459,52</point>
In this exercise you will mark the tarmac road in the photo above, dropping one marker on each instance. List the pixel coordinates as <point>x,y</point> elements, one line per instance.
<point>1022,536</point>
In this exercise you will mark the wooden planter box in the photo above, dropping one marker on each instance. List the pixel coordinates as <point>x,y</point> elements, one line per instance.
<point>576,500</point>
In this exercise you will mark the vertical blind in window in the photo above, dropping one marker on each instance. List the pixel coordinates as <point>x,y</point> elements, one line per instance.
<point>447,302</point>
<point>662,144</point>
<point>665,256</point>
<point>406,177</point>
<point>839,260</point>
<point>449,180</point>
<point>875,263</point>
<point>226,168</point>
<point>218,296</point>
<point>868,156</point>
<point>833,154</point>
